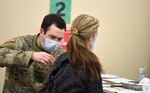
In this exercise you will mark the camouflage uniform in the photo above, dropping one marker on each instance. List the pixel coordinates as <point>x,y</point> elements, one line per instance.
<point>22,74</point>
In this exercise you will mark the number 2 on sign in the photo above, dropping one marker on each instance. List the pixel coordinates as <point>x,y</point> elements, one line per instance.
<point>60,10</point>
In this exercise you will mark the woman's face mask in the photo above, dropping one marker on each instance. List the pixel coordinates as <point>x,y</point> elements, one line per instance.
<point>49,45</point>
<point>93,45</point>
<point>92,42</point>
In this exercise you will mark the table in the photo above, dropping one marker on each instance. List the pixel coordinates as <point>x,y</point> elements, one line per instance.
<point>115,84</point>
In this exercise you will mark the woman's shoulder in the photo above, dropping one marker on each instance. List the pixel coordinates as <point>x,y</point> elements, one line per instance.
<point>62,59</point>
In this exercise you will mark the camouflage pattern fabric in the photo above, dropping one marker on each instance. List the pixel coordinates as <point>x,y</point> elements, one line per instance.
<point>22,74</point>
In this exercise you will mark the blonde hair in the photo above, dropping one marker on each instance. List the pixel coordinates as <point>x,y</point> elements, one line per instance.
<point>81,30</point>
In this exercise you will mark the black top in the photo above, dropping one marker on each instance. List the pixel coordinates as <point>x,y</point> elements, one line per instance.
<point>63,79</point>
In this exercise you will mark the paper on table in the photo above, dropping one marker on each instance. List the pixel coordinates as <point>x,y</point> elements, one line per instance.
<point>120,90</point>
<point>104,82</point>
<point>108,76</point>
<point>119,80</point>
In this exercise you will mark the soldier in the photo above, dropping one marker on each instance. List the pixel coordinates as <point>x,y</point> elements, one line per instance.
<point>28,59</point>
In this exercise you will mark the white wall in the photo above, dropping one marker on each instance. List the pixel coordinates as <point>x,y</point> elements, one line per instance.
<point>123,42</point>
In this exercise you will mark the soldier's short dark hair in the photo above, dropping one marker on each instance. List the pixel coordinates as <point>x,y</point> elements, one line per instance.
<point>53,19</point>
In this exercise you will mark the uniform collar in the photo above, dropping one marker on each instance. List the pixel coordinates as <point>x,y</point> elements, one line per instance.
<point>35,45</point>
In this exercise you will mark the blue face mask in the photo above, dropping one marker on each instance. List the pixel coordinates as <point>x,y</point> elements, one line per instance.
<point>49,45</point>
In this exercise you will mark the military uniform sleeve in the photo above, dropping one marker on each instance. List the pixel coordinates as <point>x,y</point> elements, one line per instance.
<point>12,53</point>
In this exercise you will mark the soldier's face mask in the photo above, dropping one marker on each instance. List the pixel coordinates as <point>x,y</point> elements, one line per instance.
<point>49,45</point>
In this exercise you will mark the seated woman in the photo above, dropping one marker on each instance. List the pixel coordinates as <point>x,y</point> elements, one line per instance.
<point>79,69</point>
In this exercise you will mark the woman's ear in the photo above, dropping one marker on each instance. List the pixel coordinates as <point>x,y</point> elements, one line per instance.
<point>93,36</point>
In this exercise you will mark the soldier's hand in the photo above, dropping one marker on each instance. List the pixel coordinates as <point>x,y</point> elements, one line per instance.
<point>42,57</point>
